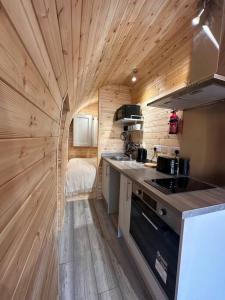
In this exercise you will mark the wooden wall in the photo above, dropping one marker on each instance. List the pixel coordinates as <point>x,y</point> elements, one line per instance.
<point>165,69</point>
<point>32,89</point>
<point>85,152</point>
<point>110,98</point>
<point>156,129</point>
<point>90,110</point>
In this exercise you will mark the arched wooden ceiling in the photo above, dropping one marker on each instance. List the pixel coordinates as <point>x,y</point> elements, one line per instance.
<point>91,43</point>
<point>110,38</point>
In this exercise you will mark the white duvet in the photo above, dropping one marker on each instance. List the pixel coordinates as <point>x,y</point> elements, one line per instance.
<point>80,176</point>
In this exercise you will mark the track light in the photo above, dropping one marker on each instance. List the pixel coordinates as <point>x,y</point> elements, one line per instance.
<point>134,75</point>
<point>196,20</point>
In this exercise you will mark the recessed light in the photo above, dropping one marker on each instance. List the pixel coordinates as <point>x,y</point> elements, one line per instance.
<point>134,75</point>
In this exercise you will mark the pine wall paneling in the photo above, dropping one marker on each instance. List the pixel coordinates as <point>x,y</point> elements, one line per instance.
<point>165,68</point>
<point>110,98</point>
<point>29,127</point>
<point>48,48</point>
<point>23,17</point>
<point>46,13</point>
<point>64,9</point>
<point>62,161</point>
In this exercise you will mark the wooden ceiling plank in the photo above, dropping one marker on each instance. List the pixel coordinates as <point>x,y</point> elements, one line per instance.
<point>47,17</point>
<point>23,17</point>
<point>167,65</point>
<point>91,43</point>
<point>86,21</point>
<point>133,52</point>
<point>76,27</point>
<point>111,61</point>
<point>108,11</point>
<point>113,48</point>
<point>140,25</point>
<point>162,29</point>
<point>64,14</point>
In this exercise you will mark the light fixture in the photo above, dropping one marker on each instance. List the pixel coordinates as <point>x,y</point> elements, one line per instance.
<point>134,75</point>
<point>196,20</point>
<point>210,35</point>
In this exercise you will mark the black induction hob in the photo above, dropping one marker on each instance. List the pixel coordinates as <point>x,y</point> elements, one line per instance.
<point>178,185</point>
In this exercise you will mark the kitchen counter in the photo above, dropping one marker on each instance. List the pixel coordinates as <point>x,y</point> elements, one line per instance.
<point>186,204</point>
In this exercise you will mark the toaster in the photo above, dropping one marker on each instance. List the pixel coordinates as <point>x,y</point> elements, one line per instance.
<point>167,165</point>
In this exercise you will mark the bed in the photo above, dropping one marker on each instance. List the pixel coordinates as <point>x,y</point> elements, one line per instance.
<point>81,179</point>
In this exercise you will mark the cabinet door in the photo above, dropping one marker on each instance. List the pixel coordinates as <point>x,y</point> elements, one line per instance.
<point>94,131</point>
<point>124,206</point>
<point>127,209</point>
<point>105,180</point>
<point>82,130</point>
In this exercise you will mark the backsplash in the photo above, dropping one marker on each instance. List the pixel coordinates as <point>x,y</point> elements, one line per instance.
<point>156,130</point>
<point>203,140</point>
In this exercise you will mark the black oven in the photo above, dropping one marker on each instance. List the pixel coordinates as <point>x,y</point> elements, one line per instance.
<point>158,242</point>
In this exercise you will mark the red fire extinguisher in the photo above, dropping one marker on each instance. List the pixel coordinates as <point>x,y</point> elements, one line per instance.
<point>173,123</point>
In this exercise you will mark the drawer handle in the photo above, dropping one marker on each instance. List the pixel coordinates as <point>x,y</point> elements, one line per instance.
<point>153,225</point>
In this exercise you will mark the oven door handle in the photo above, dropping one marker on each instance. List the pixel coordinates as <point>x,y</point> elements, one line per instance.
<point>153,225</point>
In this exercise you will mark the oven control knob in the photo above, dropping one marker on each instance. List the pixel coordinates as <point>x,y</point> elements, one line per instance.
<point>162,212</point>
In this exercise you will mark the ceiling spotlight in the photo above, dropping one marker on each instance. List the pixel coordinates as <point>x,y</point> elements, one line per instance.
<point>196,20</point>
<point>134,75</point>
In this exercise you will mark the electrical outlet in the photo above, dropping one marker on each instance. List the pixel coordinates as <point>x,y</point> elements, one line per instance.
<point>173,149</point>
<point>158,148</point>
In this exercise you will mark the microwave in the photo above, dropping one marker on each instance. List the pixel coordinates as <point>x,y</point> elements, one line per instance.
<point>131,111</point>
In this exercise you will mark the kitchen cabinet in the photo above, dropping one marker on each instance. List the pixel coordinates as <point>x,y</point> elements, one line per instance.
<point>110,187</point>
<point>105,181</point>
<point>124,206</point>
<point>85,131</point>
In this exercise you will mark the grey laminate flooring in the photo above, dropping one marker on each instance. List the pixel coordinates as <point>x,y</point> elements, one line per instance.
<point>94,263</point>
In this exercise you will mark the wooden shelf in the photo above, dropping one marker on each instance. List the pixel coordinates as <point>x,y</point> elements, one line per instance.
<point>137,130</point>
<point>128,121</point>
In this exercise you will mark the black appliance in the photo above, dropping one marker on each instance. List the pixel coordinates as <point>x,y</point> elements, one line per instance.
<point>131,111</point>
<point>167,165</point>
<point>178,185</point>
<point>141,155</point>
<point>157,241</point>
<point>184,166</point>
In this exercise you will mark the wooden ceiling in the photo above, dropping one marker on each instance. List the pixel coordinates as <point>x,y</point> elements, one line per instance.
<point>112,37</point>
<point>91,43</point>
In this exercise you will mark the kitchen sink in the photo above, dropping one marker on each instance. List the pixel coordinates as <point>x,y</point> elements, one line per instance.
<point>120,158</point>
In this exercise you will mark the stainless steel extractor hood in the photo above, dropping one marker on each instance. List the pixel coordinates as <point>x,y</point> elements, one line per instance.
<point>206,82</point>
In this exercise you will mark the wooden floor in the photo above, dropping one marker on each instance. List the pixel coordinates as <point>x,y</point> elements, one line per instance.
<point>94,263</point>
